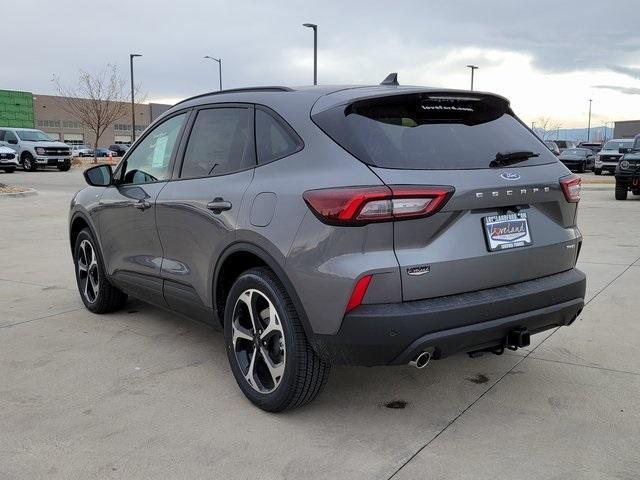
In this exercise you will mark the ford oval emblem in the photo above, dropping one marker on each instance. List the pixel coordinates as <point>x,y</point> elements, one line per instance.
<point>510,176</point>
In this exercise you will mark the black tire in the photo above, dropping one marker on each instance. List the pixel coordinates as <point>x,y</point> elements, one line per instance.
<point>582,167</point>
<point>597,171</point>
<point>106,298</point>
<point>304,372</point>
<point>621,192</point>
<point>28,164</point>
<point>64,168</point>
<point>636,192</point>
<point>10,169</point>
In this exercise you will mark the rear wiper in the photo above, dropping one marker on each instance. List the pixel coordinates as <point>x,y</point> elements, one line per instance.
<point>508,158</point>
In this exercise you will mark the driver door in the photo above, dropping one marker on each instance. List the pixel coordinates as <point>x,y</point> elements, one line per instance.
<point>126,213</point>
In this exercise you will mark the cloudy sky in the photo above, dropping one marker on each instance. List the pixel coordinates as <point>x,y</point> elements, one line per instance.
<point>548,57</point>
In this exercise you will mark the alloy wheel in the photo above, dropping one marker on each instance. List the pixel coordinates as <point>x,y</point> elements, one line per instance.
<point>258,341</point>
<point>88,271</point>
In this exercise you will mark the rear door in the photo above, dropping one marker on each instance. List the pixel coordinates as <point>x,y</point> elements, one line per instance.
<point>504,223</point>
<point>197,213</point>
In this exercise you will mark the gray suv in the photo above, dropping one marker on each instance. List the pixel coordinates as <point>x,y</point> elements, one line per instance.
<point>380,225</point>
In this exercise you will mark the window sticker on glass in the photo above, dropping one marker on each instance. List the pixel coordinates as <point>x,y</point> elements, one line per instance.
<point>159,151</point>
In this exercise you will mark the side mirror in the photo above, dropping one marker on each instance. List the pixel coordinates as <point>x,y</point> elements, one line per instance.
<point>13,141</point>
<point>624,150</point>
<point>99,176</point>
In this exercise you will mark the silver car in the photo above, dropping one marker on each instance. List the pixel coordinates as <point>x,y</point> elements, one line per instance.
<point>380,225</point>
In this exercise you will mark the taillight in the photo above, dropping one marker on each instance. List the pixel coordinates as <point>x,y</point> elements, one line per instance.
<point>572,187</point>
<point>362,205</point>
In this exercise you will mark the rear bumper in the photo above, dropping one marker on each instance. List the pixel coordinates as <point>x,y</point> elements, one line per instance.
<point>393,334</point>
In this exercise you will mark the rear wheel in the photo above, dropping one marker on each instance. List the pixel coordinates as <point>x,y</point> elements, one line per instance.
<point>621,192</point>
<point>28,164</point>
<point>270,357</point>
<point>97,294</point>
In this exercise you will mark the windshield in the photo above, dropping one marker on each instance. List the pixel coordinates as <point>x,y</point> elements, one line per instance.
<point>431,131</point>
<point>33,136</point>
<point>616,144</point>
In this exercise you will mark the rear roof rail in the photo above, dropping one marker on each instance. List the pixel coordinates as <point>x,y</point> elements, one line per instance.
<point>239,90</point>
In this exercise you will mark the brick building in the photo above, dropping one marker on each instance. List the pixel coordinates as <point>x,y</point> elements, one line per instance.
<point>46,113</point>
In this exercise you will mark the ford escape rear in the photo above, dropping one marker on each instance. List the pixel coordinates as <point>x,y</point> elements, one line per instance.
<point>336,225</point>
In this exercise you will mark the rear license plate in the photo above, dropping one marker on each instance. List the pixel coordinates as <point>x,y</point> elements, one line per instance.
<point>507,231</point>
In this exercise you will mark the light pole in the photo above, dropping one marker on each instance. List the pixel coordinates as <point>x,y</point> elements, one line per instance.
<point>473,69</point>
<point>315,50</point>
<point>219,60</point>
<point>589,124</point>
<point>133,106</point>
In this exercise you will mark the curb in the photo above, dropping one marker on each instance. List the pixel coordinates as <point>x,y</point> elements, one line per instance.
<point>27,193</point>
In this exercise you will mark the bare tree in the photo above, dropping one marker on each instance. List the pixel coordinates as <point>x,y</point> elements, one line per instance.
<point>98,100</point>
<point>546,128</point>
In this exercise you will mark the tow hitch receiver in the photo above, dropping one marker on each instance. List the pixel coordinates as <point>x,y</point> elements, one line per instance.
<point>518,338</point>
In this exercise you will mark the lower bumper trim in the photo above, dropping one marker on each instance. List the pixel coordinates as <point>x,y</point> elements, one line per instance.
<point>393,334</point>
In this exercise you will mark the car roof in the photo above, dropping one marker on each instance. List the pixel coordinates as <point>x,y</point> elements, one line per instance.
<point>313,97</point>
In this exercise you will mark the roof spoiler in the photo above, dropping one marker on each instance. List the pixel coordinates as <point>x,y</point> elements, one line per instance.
<point>392,79</point>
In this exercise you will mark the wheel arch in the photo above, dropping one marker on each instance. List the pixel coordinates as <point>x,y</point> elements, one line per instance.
<point>78,222</point>
<point>239,257</point>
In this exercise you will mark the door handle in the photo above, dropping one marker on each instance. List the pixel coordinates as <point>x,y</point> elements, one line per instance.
<point>219,205</point>
<point>142,205</point>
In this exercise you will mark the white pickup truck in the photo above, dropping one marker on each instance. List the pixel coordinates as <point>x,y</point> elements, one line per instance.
<point>35,149</point>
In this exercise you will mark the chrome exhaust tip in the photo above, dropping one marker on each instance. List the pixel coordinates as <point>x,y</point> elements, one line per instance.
<point>421,361</point>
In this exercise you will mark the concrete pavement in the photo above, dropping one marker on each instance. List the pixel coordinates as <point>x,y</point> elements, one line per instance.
<point>144,394</point>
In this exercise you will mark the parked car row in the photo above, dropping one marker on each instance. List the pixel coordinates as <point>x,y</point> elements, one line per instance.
<point>33,149</point>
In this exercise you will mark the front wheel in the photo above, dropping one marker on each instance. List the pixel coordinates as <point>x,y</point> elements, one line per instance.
<point>597,171</point>
<point>10,170</point>
<point>64,168</point>
<point>621,192</point>
<point>28,164</point>
<point>270,357</point>
<point>97,294</point>
<point>582,167</point>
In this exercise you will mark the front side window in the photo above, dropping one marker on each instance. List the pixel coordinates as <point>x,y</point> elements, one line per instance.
<point>273,139</point>
<point>151,159</point>
<point>10,137</point>
<point>220,142</point>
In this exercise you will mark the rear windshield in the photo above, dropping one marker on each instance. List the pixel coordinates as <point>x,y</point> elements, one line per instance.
<point>428,131</point>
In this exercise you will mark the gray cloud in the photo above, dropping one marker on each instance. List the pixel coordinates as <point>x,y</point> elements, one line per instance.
<point>264,42</point>
<point>618,88</point>
<point>633,72</point>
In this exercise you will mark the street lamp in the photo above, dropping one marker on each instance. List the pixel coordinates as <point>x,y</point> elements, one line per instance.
<point>473,68</point>
<point>589,124</point>
<point>133,107</point>
<point>219,60</point>
<point>315,50</point>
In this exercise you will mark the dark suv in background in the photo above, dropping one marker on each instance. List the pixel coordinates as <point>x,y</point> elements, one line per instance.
<point>119,149</point>
<point>378,225</point>
<point>628,171</point>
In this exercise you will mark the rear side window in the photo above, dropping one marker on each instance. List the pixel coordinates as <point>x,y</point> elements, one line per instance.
<point>221,142</point>
<point>274,138</point>
<point>428,131</point>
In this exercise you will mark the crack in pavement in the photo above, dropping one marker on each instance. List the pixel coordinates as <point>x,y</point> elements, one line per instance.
<point>468,407</point>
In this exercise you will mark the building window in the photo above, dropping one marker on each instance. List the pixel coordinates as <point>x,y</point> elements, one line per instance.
<point>49,123</point>
<point>72,125</point>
